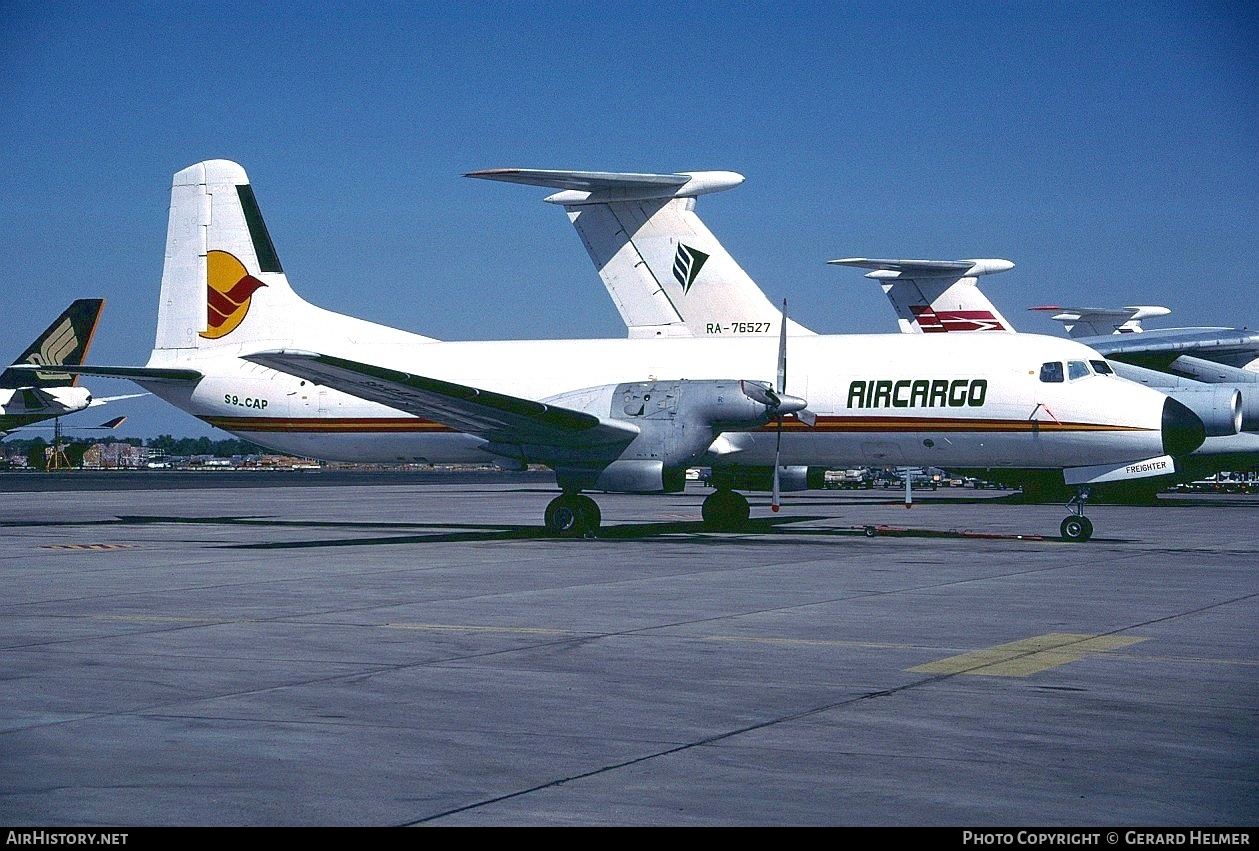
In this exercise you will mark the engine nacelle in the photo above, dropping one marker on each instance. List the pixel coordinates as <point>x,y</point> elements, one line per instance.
<point>625,476</point>
<point>794,478</point>
<point>1219,407</point>
<point>677,421</point>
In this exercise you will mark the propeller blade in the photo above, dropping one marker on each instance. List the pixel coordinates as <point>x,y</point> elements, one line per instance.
<point>807,417</point>
<point>782,352</point>
<point>774,498</point>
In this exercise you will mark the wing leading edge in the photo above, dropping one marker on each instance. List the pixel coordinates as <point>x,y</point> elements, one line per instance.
<point>496,417</point>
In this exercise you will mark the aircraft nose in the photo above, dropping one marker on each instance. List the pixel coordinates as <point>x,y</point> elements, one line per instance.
<point>1183,431</point>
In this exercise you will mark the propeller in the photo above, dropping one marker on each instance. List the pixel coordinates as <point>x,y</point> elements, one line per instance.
<point>785,405</point>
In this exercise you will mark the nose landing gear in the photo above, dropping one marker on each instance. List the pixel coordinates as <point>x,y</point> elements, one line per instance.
<point>1077,527</point>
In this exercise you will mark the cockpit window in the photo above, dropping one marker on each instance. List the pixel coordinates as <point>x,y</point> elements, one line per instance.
<point>1077,369</point>
<point>1101,367</point>
<point>1051,372</point>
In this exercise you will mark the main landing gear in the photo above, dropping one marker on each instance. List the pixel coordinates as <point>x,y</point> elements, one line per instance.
<point>1077,527</point>
<point>725,510</point>
<point>572,515</point>
<point>575,515</point>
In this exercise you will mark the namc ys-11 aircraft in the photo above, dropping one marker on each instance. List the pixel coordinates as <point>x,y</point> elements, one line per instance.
<point>238,348</point>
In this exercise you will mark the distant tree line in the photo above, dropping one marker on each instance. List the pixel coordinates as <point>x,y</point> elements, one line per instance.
<point>74,447</point>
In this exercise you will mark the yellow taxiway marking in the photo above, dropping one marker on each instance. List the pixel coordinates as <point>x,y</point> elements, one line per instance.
<point>86,546</point>
<point>1029,656</point>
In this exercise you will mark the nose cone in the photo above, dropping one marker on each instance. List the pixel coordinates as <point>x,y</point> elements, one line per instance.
<point>790,405</point>
<point>1183,431</point>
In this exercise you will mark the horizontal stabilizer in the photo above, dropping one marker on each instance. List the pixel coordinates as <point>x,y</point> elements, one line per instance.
<point>135,373</point>
<point>602,187</point>
<point>106,399</point>
<point>893,269</point>
<point>1098,321</point>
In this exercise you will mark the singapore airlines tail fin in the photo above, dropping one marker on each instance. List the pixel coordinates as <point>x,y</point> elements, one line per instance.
<point>666,272</point>
<point>64,342</point>
<point>937,296</point>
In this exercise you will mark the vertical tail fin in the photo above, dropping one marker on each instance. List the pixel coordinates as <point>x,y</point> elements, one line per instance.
<point>666,272</point>
<point>218,256</point>
<point>937,296</point>
<point>65,341</point>
<point>222,283</point>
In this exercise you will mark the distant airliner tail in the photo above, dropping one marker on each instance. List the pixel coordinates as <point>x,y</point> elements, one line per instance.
<point>666,272</point>
<point>64,342</point>
<point>1099,321</point>
<point>937,296</point>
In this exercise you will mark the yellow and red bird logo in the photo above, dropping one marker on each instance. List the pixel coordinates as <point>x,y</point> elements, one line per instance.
<point>228,292</point>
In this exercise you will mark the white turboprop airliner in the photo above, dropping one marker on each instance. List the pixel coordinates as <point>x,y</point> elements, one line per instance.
<point>238,348</point>
<point>44,393</point>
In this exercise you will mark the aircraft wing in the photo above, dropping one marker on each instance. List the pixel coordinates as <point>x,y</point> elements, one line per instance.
<point>497,417</point>
<point>1219,344</point>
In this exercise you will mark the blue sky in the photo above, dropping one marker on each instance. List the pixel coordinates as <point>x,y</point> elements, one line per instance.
<point>1110,150</point>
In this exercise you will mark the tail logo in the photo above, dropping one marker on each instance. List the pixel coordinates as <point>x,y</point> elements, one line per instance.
<point>941,321</point>
<point>229,289</point>
<point>55,348</point>
<point>686,265</point>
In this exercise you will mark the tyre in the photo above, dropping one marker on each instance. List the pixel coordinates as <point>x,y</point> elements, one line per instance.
<point>1077,528</point>
<point>566,516</point>
<point>725,510</point>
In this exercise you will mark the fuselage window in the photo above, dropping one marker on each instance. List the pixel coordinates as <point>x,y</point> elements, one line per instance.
<point>1077,369</point>
<point>1101,367</point>
<point>1051,372</point>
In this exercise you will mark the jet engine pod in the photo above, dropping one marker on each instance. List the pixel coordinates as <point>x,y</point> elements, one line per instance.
<point>1219,407</point>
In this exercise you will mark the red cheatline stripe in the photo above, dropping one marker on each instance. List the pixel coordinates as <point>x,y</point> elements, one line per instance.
<point>824,425</point>
<point>329,424</point>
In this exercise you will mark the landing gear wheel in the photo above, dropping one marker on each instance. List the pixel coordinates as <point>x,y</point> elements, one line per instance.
<point>591,509</point>
<point>1077,527</point>
<point>571,515</point>
<point>725,510</point>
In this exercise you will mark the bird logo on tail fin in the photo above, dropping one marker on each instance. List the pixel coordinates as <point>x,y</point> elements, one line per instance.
<point>229,289</point>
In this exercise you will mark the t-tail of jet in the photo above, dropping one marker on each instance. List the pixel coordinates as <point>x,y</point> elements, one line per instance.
<point>937,296</point>
<point>666,272</point>
<point>64,343</point>
<point>1098,321</point>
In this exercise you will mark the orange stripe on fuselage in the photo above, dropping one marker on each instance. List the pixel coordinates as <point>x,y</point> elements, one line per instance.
<point>328,424</point>
<point>825,425</point>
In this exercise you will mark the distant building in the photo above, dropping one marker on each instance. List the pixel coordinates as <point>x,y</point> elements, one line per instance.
<point>116,456</point>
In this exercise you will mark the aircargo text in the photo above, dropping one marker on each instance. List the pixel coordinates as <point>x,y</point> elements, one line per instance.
<point>918,393</point>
